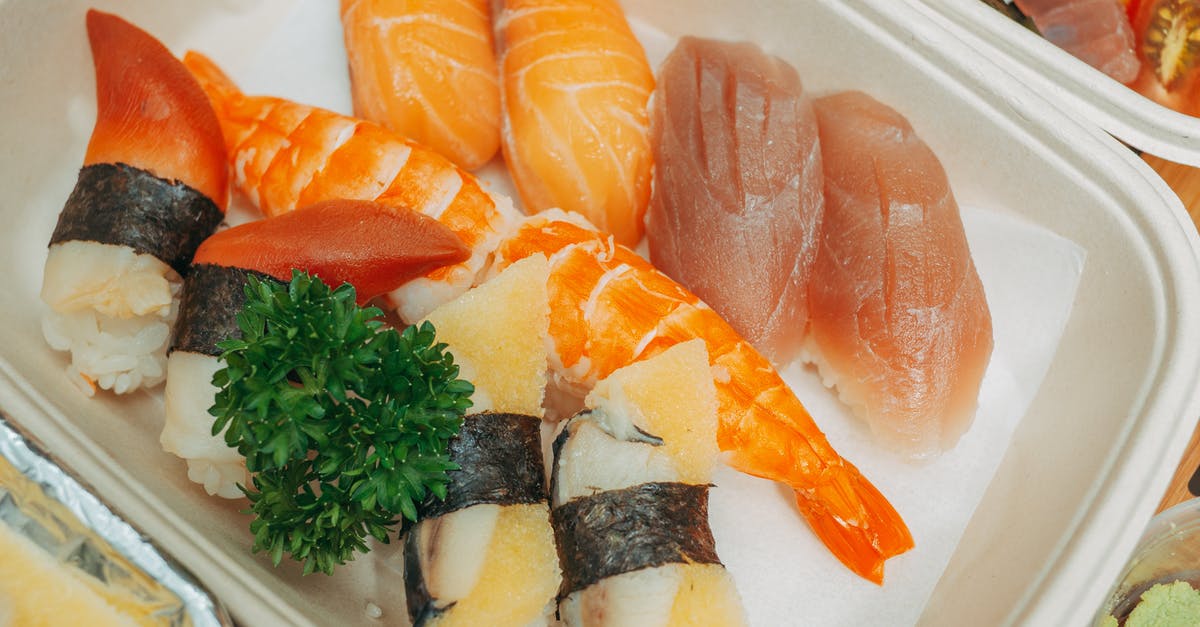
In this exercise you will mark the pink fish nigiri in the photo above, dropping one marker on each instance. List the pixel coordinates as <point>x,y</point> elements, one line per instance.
<point>736,210</point>
<point>899,320</point>
<point>1095,31</point>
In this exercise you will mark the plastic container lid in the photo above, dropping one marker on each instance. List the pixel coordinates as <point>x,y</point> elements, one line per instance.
<point>1069,82</point>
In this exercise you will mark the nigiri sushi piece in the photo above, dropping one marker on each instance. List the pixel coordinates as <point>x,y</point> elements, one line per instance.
<point>372,247</point>
<point>485,555</point>
<point>900,323</point>
<point>152,187</point>
<point>639,459</point>
<point>1095,31</point>
<point>286,155</point>
<point>574,88</point>
<point>426,69</point>
<point>736,210</point>
<point>610,308</point>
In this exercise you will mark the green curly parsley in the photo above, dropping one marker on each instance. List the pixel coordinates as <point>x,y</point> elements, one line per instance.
<point>343,423</point>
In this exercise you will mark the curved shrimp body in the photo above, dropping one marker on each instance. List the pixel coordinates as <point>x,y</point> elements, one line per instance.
<point>609,308</point>
<point>287,155</point>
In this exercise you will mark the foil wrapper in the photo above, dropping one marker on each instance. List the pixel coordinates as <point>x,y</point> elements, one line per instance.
<point>44,503</point>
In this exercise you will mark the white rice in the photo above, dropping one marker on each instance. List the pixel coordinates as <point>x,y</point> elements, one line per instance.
<point>187,432</point>
<point>113,310</point>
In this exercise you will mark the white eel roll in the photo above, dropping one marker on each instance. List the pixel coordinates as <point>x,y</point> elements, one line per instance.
<point>112,309</point>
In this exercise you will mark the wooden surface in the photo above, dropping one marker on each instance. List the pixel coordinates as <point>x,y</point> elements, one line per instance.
<point>1186,182</point>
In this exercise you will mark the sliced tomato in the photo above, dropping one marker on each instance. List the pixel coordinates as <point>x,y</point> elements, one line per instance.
<point>1168,46</point>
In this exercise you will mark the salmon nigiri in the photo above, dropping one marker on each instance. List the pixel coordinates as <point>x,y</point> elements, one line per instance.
<point>287,155</point>
<point>575,83</point>
<point>610,308</point>
<point>899,323</point>
<point>426,69</point>
<point>152,187</point>
<point>737,203</point>
<point>372,247</point>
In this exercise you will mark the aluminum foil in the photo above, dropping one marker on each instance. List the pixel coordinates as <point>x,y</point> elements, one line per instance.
<point>48,506</point>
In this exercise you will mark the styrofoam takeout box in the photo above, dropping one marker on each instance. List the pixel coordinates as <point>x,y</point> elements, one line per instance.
<point>1081,476</point>
<point>1071,83</point>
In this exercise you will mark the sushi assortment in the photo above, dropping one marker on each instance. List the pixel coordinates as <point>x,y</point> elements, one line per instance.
<point>763,229</point>
<point>1148,45</point>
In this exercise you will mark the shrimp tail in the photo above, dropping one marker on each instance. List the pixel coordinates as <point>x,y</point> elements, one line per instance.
<point>856,522</point>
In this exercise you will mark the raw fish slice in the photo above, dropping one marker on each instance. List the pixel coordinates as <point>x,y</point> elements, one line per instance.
<point>737,203</point>
<point>575,82</point>
<point>1095,31</point>
<point>899,323</point>
<point>150,112</point>
<point>426,69</point>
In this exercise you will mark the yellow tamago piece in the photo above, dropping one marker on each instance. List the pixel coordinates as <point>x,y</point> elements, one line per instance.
<point>673,397</point>
<point>498,333</point>
<point>36,591</point>
<point>522,550</point>
<point>706,597</point>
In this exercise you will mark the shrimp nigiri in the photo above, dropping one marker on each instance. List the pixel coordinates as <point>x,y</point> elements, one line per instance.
<point>152,187</point>
<point>575,83</point>
<point>426,69</point>
<point>609,308</point>
<point>286,155</point>
<point>372,247</point>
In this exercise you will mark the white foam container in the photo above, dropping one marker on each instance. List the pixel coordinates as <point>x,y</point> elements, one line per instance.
<point>1081,89</point>
<point>1079,480</point>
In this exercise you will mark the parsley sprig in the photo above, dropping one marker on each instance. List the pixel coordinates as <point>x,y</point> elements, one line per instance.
<point>343,423</point>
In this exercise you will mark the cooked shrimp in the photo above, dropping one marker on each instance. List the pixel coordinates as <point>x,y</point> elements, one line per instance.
<point>287,155</point>
<point>427,70</point>
<point>610,308</point>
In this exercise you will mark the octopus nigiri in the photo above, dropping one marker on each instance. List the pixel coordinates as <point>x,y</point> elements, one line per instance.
<point>900,323</point>
<point>426,69</point>
<point>640,458</point>
<point>574,88</point>
<point>485,555</point>
<point>372,247</point>
<point>286,155</point>
<point>610,308</point>
<point>736,210</point>
<point>153,186</point>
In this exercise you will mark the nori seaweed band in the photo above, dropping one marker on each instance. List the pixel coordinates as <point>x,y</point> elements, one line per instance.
<point>500,460</point>
<point>208,308</point>
<point>123,205</point>
<point>620,531</point>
